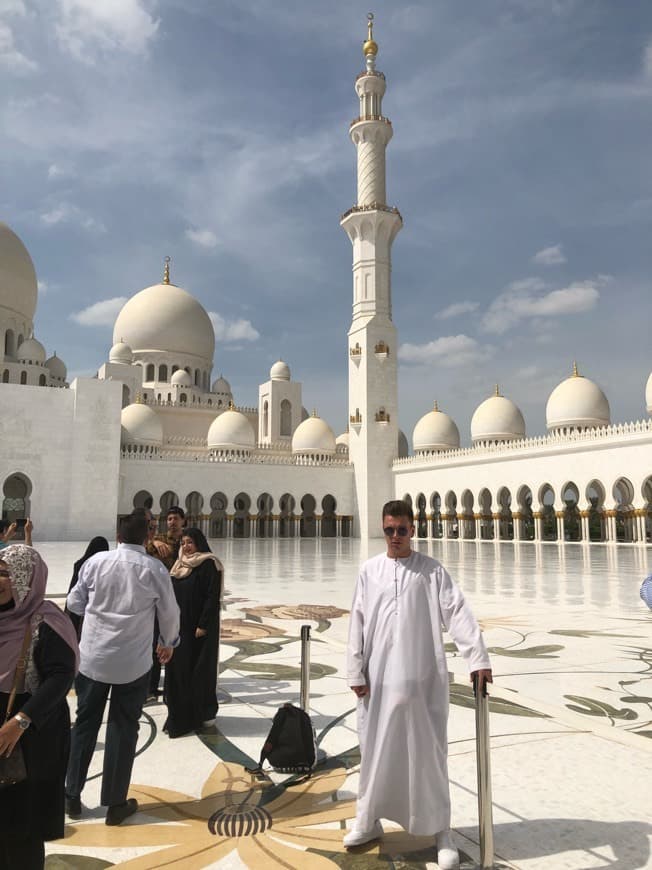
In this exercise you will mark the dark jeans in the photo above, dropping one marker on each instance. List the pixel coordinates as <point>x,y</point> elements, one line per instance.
<point>125,707</point>
<point>26,854</point>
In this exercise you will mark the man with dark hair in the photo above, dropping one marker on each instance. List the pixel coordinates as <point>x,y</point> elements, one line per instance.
<point>119,593</point>
<point>167,546</point>
<point>396,665</point>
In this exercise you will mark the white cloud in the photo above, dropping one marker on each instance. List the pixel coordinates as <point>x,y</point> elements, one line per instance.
<point>10,58</point>
<point>67,213</point>
<point>523,300</point>
<point>101,313</point>
<point>86,26</point>
<point>647,60</point>
<point>232,330</point>
<point>42,286</point>
<point>447,351</point>
<point>55,171</point>
<point>204,238</point>
<point>456,309</point>
<point>553,256</point>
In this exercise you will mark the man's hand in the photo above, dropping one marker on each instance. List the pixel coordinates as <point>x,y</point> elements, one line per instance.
<point>484,676</point>
<point>29,526</point>
<point>162,549</point>
<point>360,691</point>
<point>164,653</point>
<point>200,632</point>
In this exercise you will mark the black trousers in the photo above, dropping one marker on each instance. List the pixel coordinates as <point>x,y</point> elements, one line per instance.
<point>125,707</point>
<point>27,853</point>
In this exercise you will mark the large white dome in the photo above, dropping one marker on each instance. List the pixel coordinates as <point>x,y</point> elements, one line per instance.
<point>18,287</point>
<point>141,425</point>
<point>231,430</point>
<point>181,378</point>
<point>435,431</point>
<point>577,403</point>
<point>166,318</point>
<point>31,351</point>
<point>497,419</point>
<point>313,436</point>
<point>648,394</point>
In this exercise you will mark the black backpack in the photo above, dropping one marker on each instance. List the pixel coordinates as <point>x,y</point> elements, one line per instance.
<point>290,744</point>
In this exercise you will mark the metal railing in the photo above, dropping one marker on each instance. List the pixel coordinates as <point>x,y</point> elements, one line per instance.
<point>482,738</point>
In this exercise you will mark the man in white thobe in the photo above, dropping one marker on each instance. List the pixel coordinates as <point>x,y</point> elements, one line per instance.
<point>396,665</point>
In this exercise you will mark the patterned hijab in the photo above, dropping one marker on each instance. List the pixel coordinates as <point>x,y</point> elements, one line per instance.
<point>29,575</point>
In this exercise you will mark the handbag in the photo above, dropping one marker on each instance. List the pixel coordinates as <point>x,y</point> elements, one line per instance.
<point>12,767</point>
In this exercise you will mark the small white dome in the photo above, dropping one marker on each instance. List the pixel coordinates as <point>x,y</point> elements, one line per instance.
<point>577,402</point>
<point>57,367</point>
<point>280,371</point>
<point>497,419</point>
<point>342,440</point>
<point>181,378</point>
<point>18,287</point>
<point>435,431</point>
<point>648,394</point>
<point>403,446</point>
<point>313,436</point>
<point>221,385</point>
<point>121,353</point>
<point>231,429</point>
<point>141,425</point>
<point>31,350</point>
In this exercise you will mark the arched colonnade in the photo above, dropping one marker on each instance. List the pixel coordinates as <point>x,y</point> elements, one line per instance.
<point>597,512</point>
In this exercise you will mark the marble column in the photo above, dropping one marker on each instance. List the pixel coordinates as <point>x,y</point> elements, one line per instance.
<point>516,520</point>
<point>538,525</point>
<point>229,525</point>
<point>584,517</point>
<point>496,522</point>
<point>611,526</point>
<point>559,517</point>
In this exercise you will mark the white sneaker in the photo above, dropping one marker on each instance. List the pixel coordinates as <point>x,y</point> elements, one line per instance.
<point>448,858</point>
<point>359,838</point>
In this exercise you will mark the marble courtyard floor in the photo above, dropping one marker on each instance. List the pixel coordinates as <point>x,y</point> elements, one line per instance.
<point>571,718</point>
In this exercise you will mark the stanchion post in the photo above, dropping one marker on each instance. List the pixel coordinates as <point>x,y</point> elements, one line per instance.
<point>304,703</point>
<point>485,814</point>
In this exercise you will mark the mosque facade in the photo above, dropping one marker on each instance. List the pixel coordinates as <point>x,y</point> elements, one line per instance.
<point>155,428</point>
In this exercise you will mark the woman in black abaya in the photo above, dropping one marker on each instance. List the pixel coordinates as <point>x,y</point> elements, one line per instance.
<point>96,545</point>
<point>190,688</point>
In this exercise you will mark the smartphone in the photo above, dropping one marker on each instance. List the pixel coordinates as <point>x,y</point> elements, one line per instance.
<point>20,522</point>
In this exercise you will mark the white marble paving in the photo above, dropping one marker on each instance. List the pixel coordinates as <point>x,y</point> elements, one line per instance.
<point>571,787</point>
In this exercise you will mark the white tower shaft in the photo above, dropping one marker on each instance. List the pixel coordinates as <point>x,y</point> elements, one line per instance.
<point>372,226</point>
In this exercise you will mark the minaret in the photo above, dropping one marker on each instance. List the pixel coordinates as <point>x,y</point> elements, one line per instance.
<point>372,225</point>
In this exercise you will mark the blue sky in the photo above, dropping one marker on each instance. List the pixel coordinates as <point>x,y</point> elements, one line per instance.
<point>216,131</point>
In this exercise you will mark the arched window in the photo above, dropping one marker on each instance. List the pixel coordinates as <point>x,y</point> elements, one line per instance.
<point>175,369</point>
<point>150,372</point>
<point>5,376</point>
<point>41,380</point>
<point>183,398</point>
<point>197,377</point>
<point>10,343</point>
<point>265,417</point>
<point>126,395</point>
<point>23,377</point>
<point>163,373</point>
<point>286,418</point>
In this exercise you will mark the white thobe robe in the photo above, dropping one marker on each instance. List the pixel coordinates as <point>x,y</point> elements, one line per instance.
<point>396,647</point>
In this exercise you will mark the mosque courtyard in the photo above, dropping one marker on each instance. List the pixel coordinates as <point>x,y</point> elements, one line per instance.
<point>571,718</point>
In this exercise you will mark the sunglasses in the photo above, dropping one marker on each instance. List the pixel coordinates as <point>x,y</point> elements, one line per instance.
<point>401,531</point>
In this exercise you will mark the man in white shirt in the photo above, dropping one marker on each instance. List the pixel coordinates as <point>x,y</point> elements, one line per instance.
<point>396,665</point>
<point>119,593</point>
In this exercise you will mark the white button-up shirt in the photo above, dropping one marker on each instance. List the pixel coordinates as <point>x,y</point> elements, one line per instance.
<point>119,593</point>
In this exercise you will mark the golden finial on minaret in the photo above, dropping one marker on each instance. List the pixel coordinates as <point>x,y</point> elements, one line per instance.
<point>139,399</point>
<point>576,374</point>
<point>314,412</point>
<point>497,392</point>
<point>166,271</point>
<point>436,406</point>
<point>231,405</point>
<point>370,47</point>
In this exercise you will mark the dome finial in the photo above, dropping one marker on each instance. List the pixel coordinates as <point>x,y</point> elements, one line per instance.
<point>231,405</point>
<point>166,271</point>
<point>436,406</point>
<point>576,373</point>
<point>314,412</point>
<point>370,47</point>
<point>497,392</point>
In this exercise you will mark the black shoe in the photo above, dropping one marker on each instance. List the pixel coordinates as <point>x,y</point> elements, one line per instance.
<point>116,814</point>
<point>73,807</point>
